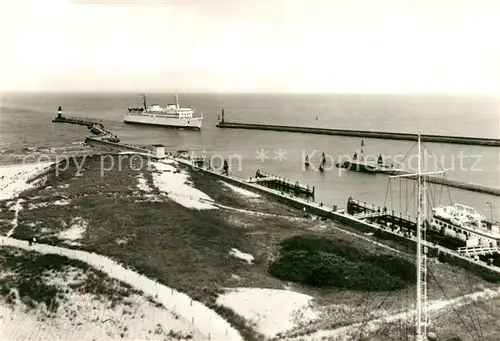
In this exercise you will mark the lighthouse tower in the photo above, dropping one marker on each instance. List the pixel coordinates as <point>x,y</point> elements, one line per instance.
<point>59,112</point>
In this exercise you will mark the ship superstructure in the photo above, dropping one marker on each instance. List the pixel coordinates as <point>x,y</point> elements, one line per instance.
<point>463,222</point>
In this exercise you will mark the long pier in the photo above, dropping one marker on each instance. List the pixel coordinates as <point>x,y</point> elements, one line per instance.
<point>462,185</point>
<point>95,126</point>
<point>78,120</point>
<point>477,141</point>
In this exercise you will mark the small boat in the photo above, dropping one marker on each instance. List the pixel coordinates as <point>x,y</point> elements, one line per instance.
<point>307,161</point>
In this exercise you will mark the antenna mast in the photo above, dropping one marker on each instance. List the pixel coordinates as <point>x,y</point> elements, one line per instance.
<point>422,318</point>
<point>421,256</point>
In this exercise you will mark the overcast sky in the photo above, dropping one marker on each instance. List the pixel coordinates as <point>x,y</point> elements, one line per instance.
<point>256,45</point>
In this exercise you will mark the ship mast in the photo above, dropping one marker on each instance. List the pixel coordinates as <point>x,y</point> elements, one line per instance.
<point>144,101</point>
<point>361,151</point>
<point>422,318</point>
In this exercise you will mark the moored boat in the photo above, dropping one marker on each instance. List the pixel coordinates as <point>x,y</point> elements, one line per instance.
<point>465,223</point>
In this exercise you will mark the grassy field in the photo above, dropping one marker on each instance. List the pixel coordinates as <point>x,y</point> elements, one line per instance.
<point>189,250</point>
<point>26,272</point>
<point>54,297</point>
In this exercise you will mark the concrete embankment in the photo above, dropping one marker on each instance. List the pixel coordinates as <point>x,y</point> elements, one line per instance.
<point>344,219</point>
<point>478,141</point>
<point>112,146</point>
<point>348,220</point>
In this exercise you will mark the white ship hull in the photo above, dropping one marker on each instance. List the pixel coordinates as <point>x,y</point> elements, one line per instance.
<point>153,119</point>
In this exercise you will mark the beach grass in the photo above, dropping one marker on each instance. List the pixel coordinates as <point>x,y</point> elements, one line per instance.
<point>189,249</point>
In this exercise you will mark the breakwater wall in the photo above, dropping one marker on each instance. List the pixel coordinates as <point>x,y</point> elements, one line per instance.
<point>453,183</point>
<point>463,185</point>
<point>478,141</point>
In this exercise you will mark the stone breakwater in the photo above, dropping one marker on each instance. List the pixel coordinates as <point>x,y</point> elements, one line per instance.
<point>477,141</point>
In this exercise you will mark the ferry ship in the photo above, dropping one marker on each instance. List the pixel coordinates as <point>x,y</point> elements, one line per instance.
<point>173,115</point>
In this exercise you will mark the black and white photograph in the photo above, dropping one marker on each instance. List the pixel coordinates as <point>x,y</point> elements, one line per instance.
<point>250,170</point>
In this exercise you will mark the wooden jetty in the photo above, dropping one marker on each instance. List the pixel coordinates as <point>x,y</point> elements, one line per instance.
<point>479,141</point>
<point>276,182</point>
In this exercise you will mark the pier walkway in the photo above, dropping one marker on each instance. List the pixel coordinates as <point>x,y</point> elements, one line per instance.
<point>84,121</point>
<point>477,141</point>
<point>258,180</point>
<point>478,251</point>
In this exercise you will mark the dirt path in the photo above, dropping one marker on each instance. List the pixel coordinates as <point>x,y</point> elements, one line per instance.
<point>353,330</point>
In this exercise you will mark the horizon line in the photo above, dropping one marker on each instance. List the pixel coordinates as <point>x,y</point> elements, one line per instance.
<point>206,92</point>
